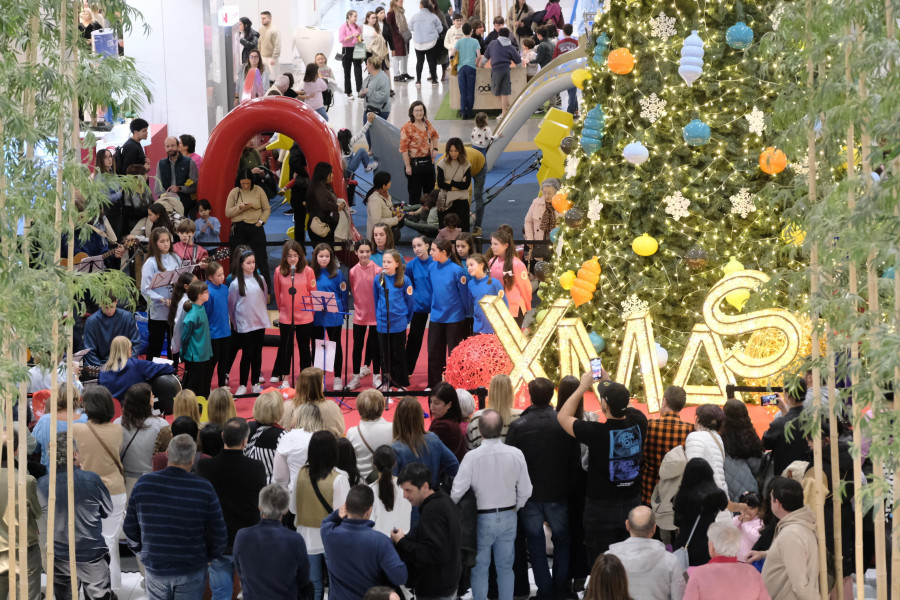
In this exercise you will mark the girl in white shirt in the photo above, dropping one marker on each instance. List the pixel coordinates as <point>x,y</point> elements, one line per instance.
<point>391,510</point>
<point>158,299</point>
<point>247,308</point>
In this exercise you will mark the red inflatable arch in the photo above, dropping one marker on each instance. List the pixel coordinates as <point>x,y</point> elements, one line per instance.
<point>274,113</point>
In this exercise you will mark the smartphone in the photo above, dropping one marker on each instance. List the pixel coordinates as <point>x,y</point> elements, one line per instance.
<point>769,400</point>
<point>596,369</point>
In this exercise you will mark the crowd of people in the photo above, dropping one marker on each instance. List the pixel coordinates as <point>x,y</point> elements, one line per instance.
<point>612,505</point>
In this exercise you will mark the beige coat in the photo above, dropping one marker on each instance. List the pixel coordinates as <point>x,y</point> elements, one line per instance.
<point>378,210</point>
<point>533,229</point>
<point>791,570</point>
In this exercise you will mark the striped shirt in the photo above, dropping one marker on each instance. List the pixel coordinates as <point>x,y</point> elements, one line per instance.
<point>175,521</point>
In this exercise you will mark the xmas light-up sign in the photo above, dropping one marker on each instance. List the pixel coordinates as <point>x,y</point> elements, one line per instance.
<point>575,348</point>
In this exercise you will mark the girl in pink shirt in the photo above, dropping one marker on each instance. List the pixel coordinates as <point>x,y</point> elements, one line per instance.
<point>506,267</point>
<point>313,86</point>
<point>292,272</point>
<point>349,35</point>
<point>362,276</point>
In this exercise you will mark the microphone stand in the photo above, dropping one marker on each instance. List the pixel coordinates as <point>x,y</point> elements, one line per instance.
<point>387,354</point>
<point>290,349</point>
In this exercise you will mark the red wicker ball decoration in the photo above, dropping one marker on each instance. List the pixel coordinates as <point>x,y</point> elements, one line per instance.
<point>475,361</point>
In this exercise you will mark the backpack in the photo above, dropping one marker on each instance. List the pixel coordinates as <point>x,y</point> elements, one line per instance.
<point>671,469</point>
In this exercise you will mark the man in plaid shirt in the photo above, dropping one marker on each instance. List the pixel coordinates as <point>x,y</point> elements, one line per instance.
<point>663,434</point>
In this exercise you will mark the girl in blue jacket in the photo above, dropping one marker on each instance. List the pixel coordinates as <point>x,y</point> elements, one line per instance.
<point>450,303</point>
<point>480,285</point>
<point>219,326</point>
<point>196,349</point>
<point>330,279</point>
<point>419,272</point>
<point>394,303</point>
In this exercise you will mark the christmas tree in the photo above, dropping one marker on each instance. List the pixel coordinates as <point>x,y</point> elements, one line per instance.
<point>675,143</point>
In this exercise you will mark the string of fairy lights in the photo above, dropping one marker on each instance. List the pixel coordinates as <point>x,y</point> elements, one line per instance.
<point>732,84</point>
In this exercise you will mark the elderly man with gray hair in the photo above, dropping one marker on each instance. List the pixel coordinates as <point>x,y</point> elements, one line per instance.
<point>723,576</point>
<point>653,573</point>
<point>271,560</point>
<point>174,521</point>
<point>498,474</point>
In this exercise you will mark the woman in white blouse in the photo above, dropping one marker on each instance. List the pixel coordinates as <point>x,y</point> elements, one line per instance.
<point>373,431</point>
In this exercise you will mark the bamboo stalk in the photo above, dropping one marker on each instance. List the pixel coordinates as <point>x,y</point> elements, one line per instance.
<point>890,30</point>
<point>11,491</point>
<point>835,470</point>
<point>76,145</point>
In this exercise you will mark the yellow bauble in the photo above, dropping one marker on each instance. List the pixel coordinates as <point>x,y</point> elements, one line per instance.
<point>732,266</point>
<point>580,77</point>
<point>738,298</point>
<point>621,61</point>
<point>792,234</point>
<point>567,279</point>
<point>644,245</point>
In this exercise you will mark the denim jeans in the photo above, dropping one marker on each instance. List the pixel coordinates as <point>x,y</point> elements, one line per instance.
<point>93,578</point>
<point>359,157</point>
<point>496,531</point>
<point>573,101</point>
<point>221,577</point>
<point>176,587</point>
<point>322,112</point>
<point>466,78</point>
<point>532,517</point>
<point>317,575</point>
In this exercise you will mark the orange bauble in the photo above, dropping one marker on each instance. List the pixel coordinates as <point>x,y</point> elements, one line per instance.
<point>561,202</point>
<point>582,284</point>
<point>580,296</point>
<point>621,61</point>
<point>772,161</point>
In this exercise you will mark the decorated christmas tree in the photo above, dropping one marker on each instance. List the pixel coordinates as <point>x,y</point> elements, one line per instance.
<point>675,143</point>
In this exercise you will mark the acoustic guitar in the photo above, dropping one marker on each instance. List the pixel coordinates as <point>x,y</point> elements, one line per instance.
<point>82,256</point>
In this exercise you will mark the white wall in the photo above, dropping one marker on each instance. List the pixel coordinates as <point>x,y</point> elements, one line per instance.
<point>172,60</point>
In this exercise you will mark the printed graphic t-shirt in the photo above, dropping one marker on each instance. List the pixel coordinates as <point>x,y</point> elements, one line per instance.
<point>615,455</point>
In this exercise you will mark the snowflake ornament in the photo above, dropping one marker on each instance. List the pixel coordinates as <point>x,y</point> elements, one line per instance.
<point>594,207</point>
<point>757,120</point>
<point>653,108</point>
<point>776,15</point>
<point>559,247</point>
<point>662,27</point>
<point>572,165</point>
<point>677,206</point>
<point>632,305</point>
<point>742,203</point>
<point>801,167</point>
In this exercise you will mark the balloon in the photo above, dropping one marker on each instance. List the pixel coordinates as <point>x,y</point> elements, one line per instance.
<point>567,279</point>
<point>597,341</point>
<point>580,77</point>
<point>542,270</point>
<point>561,202</point>
<point>165,387</point>
<point>568,144</point>
<point>574,217</point>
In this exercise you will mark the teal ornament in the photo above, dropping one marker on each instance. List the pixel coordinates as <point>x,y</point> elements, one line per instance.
<point>739,36</point>
<point>888,273</point>
<point>601,45</point>
<point>597,341</point>
<point>554,235</point>
<point>592,133</point>
<point>696,133</point>
<point>590,145</point>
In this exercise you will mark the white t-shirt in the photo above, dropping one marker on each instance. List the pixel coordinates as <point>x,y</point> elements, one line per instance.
<point>377,433</point>
<point>386,520</point>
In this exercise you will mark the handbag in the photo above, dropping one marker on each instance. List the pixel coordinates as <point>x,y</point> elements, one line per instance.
<point>454,64</point>
<point>359,51</point>
<point>115,458</point>
<point>319,227</point>
<point>682,553</point>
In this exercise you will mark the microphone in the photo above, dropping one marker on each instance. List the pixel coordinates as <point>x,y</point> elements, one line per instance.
<point>292,290</point>
<point>382,280</point>
<point>293,269</point>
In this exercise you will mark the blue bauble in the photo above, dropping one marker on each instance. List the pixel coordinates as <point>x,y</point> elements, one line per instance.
<point>888,273</point>
<point>739,36</point>
<point>696,133</point>
<point>590,145</point>
<point>598,342</point>
<point>554,235</point>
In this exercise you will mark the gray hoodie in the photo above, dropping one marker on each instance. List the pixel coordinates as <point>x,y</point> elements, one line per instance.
<point>653,573</point>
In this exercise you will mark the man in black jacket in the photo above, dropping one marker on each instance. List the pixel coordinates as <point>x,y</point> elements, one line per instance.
<point>238,481</point>
<point>177,173</point>
<point>132,153</point>
<point>785,426</point>
<point>432,551</point>
<point>550,454</point>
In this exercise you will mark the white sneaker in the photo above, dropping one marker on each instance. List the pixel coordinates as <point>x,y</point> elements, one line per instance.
<point>274,379</point>
<point>365,372</point>
<point>371,166</point>
<point>376,381</point>
<point>257,389</point>
<point>242,389</point>
<point>284,385</point>
<point>338,384</point>
<point>262,379</point>
<point>354,382</point>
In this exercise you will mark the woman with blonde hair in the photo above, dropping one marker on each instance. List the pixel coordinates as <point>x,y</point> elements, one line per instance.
<point>265,430</point>
<point>186,405</point>
<point>500,398</point>
<point>221,406</point>
<point>122,370</point>
<point>290,455</point>
<point>373,430</point>
<point>413,444</point>
<point>311,389</point>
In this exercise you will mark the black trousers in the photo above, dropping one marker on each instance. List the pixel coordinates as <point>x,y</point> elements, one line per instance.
<point>442,339</point>
<point>347,60</point>
<point>158,334</point>
<point>93,578</point>
<point>250,344</point>
<point>373,354</point>
<point>197,376</point>
<point>461,209</point>
<point>298,195</point>
<point>248,234</point>
<point>285,357</point>
<point>419,184</point>
<point>393,353</point>
<point>221,358</point>
<point>430,56</point>
<point>334,334</point>
<point>414,340</point>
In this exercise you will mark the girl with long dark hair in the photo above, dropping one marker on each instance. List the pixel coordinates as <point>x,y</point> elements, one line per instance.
<point>249,38</point>
<point>247,307</point>
<point>449,306</point>
<point>349,35</point>
<point>419,272</point>
<point>391,509</point>
<point>293,273</point>
<point>313,86</point>
<point>446,417</point>
<point>454,177</point>
<point>322,205</point>
<point>743,450</point>
<point>698,501</point>
<point>506,267</point>
<point>158,298</point>
<point>419,147</point>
